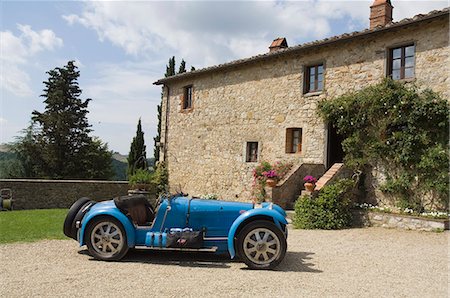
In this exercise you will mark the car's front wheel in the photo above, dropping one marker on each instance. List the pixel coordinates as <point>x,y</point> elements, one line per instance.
<point>106,239</point>
<point>261,245</point>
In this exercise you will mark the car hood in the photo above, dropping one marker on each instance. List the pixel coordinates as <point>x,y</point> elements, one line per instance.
<point>210,205</point>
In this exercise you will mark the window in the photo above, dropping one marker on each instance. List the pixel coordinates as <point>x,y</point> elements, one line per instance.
<point>293,140</point>
<point>401,62</point>
<point>252,152</point>
<point>314,78</point>
<point>187,98</point>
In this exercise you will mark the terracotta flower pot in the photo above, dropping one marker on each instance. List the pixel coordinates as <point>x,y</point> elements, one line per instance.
<point>310,186</point>
<point>271,182</point>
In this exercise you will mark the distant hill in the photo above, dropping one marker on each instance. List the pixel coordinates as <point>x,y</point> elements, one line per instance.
<point>120,165</point>
<point>4,148</point>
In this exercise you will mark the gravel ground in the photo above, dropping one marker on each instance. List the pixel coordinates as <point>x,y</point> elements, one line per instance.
<point>369,262</point>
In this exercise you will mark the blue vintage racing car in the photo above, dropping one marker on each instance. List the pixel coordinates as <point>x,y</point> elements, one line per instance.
<point>256,233</point>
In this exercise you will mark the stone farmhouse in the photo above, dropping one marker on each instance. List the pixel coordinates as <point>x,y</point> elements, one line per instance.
<point>219,122</point>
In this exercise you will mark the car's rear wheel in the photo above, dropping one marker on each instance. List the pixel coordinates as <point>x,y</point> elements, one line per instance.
<point>261,245</point>
<point>106,239</point>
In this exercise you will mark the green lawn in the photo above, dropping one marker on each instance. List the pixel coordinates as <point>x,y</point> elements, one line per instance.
<point>31,225</point>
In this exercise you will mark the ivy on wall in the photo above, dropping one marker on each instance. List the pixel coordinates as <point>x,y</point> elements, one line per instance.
<point>398,128</point>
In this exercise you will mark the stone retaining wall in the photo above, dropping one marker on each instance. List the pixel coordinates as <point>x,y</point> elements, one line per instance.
<point>398,221</point>
<point>41,194</point>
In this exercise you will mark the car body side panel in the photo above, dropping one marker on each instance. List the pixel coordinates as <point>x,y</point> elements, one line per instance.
<point>108,208</point>
<point>277,217</point>
<point>215,216</point>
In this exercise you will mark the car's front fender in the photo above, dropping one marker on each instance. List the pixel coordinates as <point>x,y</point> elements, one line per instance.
<point>277,218</point>
<point>114,212</point>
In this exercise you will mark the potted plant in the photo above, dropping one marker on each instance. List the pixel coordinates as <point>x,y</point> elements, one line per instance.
<point>271,178</point>
<point>310,183</point>
<point>141,180</point>
<point>267,174</point>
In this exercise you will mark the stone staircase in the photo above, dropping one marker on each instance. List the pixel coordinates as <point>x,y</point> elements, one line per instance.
<point>328,176</point>
<point>286,192</point>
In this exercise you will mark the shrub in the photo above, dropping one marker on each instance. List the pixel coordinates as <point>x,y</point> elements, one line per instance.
<point>161,178</point>
<point>330,210</point>
<point>140,177</point>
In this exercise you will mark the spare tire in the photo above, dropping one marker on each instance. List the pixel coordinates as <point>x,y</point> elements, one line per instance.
<point>75,213</point>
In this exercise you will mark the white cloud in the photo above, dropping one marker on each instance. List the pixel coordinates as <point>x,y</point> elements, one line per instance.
<point>121,94</point>
<point>17,51</point>
<point>207,33</point>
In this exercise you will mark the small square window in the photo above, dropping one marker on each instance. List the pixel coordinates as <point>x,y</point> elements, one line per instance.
<point>187,98</point>
<point>294,140</point>
<point>252,152</point>
<point>401,62</point>
<point>314,78</point>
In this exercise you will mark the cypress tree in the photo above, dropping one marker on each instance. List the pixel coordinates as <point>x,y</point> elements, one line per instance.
<point>182,68</point>
<point>170,71</point>
<point>137,158</point>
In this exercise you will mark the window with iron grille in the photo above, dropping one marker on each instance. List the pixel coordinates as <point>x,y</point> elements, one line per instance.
<point>401,62</point>
<point>293,140</point>
<point>187,98</point>
<point>252,152</point>
<point>314,78</point>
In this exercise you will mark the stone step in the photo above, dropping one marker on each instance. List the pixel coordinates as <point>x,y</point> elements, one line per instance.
<point>328,175</point>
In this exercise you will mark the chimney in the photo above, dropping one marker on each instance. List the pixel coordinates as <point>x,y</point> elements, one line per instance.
<point>380,13</point>
<point>278,44</point>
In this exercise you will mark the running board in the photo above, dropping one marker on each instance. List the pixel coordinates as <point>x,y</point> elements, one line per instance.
<point>210,249</point>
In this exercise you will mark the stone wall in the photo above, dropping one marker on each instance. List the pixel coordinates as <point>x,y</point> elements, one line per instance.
<point>398,221</point>
<point>40,194</point>
<point>258,101</point>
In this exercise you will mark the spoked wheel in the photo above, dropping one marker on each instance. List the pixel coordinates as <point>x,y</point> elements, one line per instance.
<point>261,245</point>
<point>106,239</point>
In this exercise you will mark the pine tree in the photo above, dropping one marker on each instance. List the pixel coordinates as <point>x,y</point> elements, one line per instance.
<point>137,158</point>
<point>62,146</point>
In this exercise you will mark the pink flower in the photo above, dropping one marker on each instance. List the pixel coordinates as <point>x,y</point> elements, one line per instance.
<point>310,179</point>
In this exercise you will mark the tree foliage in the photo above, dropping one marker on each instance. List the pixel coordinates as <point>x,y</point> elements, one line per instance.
<point>57,144</point>
<point>400,130</point>
<point>182,68</point>
<point>170,68</point>
<point>137,158</point>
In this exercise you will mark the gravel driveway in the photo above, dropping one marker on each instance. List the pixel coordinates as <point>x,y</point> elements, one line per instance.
<point>369,262</point>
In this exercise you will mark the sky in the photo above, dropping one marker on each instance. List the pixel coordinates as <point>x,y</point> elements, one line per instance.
<point>122,47</point>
